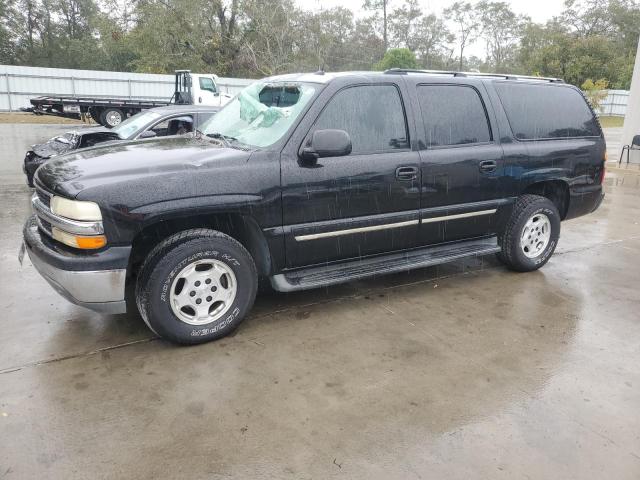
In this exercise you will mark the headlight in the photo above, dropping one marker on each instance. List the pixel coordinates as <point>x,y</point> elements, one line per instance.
<point>75,210</point>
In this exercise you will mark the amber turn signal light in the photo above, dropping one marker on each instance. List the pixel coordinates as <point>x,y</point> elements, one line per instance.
<point>90,242</point>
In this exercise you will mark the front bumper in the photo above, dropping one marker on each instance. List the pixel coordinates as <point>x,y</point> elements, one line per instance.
<point>95,281</point>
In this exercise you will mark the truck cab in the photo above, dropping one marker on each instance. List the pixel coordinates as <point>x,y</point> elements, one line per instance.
<point>198,89</point>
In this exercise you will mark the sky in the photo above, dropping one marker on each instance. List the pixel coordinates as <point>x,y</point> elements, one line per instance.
<point>539,10</point>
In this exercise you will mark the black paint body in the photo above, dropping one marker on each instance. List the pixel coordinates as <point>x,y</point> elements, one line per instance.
<point>279,197</point>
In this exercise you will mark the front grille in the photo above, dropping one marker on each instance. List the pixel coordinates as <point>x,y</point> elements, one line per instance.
<point>44,198</point>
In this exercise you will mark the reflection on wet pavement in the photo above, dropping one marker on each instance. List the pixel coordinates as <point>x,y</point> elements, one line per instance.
<point>461,371</point>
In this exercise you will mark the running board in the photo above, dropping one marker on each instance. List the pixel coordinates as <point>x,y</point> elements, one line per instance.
<point>320,276</point>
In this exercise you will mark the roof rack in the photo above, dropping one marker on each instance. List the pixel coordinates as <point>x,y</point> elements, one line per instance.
<point>404,71</point>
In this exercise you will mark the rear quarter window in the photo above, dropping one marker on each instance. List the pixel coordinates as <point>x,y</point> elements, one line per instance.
<point>538,112</point>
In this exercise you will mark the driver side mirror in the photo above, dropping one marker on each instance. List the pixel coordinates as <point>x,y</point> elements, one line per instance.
<point>147,134</point>
<point>326,143</point>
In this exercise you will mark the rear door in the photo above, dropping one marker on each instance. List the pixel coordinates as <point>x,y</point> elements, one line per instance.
<point>360,204</point>
<point>461,163</point>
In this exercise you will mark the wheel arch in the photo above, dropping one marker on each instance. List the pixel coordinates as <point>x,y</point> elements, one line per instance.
<point>241,227</point>
<point>557,191</point>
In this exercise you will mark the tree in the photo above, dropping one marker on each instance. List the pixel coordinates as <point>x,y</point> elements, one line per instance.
<point>595,92</point>
<point>465,17</point>
<point>327,42</point>
<point>397,58</point>
<point>270,35</point>
<point>6,50</point>
<point>591,39</point>
<point>377,5</point>
<point>588,17</point>
<point>433,40</point>
<point>501,29</point>
<point>403,24</point>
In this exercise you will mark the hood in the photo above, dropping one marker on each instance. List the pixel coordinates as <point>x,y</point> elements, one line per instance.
<point>135,163</point>
<point>66,142</point>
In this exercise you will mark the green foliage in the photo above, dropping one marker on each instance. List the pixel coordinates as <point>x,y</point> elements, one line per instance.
<point>595,92</point>
<point>591,39</point>
<point>397,58</point>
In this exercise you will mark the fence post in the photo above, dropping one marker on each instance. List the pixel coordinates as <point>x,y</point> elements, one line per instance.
<point>73,86</point>
<point>6,76</point>
<point>612,103</point>
<point>129,86</point>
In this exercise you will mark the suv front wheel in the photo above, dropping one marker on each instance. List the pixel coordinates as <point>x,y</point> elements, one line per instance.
<point>196,286</point>
<point>531,234</point>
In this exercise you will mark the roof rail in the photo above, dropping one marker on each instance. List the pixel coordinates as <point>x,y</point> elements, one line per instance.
<point>404,71</point>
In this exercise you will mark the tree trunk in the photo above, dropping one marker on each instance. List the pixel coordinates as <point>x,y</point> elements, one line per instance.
<point>384,24</point>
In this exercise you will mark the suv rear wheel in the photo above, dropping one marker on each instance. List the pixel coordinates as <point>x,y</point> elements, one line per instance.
<point>531,234</point>
<point>196,286</point>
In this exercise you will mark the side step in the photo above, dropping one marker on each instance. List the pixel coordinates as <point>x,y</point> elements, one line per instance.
<point>320,276</point>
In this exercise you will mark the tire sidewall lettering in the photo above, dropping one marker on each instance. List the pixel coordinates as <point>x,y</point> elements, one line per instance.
<point>201,332</point>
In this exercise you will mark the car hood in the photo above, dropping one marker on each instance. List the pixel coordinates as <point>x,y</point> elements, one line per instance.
<point>58,146</point>
<point>135,164</point>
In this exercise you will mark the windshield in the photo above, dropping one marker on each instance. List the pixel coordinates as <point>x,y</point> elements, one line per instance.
<point>132,125</point>
<point>261,114</point>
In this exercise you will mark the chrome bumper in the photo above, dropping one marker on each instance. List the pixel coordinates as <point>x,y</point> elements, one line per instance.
<point>101,290</point>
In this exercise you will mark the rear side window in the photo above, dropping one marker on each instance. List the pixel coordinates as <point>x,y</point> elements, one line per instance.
<point>546,111</point>
<point>453,115</point>
<point>372,115</point>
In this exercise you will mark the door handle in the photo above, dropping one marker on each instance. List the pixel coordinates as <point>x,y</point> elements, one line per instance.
<point>407,173</point>
<point>488,166</point>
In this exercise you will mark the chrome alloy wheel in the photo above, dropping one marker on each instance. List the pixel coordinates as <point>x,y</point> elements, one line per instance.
<point>535,235</point>
<point>113,118</point>
<point>203,291</point>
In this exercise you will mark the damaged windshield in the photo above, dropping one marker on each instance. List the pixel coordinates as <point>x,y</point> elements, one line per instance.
<point>261,114</point>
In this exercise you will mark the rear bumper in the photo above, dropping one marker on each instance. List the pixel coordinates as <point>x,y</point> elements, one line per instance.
<point>95,281</point>
<point>584,200</point>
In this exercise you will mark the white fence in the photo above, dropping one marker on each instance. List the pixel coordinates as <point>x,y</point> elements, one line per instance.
<point>19,84</point>
<point>615,104</point>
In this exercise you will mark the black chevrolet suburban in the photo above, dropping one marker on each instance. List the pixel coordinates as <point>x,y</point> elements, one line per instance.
<point>308,180</point>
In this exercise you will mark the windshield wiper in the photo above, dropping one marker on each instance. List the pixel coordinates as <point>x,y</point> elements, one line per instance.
<point>226,139</point>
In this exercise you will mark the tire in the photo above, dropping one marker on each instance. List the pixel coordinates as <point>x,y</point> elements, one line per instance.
<point>542,219</point>
<point>158,286</point>
<point>110,117</point>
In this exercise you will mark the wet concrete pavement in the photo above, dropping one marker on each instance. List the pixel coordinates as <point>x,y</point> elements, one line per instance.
<point>461,371</point>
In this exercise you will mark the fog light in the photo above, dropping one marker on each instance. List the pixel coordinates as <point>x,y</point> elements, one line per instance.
<point>90,242</point>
